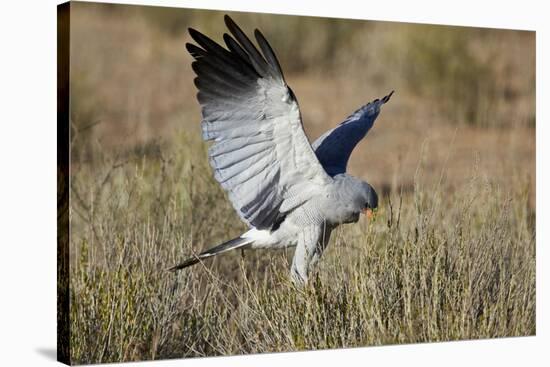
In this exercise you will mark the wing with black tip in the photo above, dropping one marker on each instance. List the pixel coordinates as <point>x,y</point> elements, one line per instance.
<point>259,153</point>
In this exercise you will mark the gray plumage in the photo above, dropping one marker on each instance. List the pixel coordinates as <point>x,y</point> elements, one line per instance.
<point>334,147</point>
<point>288,192</point>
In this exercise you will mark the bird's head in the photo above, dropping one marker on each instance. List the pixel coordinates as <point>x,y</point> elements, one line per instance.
<point>368,200</point>
<point>357,197</point>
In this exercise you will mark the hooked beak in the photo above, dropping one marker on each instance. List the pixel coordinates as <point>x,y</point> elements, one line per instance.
<point>369,213</point>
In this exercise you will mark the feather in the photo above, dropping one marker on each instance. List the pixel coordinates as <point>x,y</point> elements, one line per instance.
<point>259,151</point>
<point>234,47</point>
<point>256,58</point>
<point>334,148</point>
<point>269,54</point>
<point>220,249</point>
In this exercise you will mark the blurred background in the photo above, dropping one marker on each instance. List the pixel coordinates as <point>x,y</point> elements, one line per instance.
<point>464,100</point>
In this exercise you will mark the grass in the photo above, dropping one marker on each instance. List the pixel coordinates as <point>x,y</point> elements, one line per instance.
<point>433,266</point>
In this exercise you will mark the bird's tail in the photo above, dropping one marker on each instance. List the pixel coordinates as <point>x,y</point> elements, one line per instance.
<point>216,250</point>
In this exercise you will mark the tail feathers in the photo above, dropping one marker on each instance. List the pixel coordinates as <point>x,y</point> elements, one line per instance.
<point>220,249</point>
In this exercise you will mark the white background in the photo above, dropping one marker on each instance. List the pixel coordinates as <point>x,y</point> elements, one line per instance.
<point>28,182</point>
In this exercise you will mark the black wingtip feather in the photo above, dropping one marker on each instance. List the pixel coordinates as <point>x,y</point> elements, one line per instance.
<point>227,20</point>
<point>195,50</point>
<point>256,58</point>
<point>209,45</point>
<point>387,98</point>
<point>268,53</point>
<point>234,47</point>
<point>193,32</point>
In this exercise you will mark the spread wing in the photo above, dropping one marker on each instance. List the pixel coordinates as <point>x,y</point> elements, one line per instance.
<point>334,147</point>
<point>260,154</point>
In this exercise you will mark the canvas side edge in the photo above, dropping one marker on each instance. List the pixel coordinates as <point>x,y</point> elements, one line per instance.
<point>63,163</point>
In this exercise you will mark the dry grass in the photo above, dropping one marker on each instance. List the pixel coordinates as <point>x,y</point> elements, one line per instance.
<point>450,256</point>
<point>433,266</point>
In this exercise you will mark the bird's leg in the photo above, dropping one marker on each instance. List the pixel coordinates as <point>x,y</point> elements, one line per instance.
<point>298,271</point>
<point>308,251</point>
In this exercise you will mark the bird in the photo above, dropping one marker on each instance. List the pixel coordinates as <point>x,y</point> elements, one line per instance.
<point>289,192</point>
